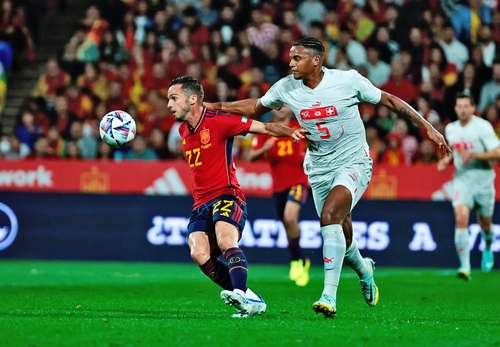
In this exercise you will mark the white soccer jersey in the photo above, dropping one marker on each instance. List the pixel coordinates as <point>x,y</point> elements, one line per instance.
<point>330,113</point>
<point>477,136</point>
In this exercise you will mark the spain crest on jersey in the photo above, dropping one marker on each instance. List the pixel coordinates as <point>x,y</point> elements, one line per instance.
<point>205,136</point>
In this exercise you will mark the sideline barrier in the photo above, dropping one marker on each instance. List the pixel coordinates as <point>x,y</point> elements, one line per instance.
<point>417,182</point>
<point>142,228</point>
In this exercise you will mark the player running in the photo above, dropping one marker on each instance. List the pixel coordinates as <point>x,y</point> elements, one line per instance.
<point>474,144</point>
<point>219,210</point>
<point>289,188</point>
<point>338,165</point>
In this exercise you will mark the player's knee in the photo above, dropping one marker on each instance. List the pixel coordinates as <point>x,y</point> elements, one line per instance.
<point>225,243</point>
<point>461,220</point>
<point>484,224</point>
<point>290,220</point>
<point>199,256</point>
<point>331,216</point>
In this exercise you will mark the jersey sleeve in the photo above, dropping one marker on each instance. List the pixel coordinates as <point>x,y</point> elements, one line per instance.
<point>488,137</point>
<point>272,98</point>
<point>365,90</point>
<point>234,125</point>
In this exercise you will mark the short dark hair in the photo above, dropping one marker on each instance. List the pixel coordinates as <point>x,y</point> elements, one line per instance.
<point>311,43</point>
<point>189,85</point>
<point>465,95</point>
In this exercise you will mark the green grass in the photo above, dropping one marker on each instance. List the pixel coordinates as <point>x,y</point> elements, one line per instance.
<point>137,304</point>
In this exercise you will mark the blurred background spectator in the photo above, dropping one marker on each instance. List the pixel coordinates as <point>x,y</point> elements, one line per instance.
<point>123,54</point>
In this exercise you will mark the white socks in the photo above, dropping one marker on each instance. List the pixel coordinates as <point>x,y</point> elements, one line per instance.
<point>462,246</point>
<point>333,256</point>
<point>354,259</point>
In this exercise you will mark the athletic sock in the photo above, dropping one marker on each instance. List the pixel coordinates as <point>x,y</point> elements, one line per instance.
<point>294,248</point>
<point>462,246</point>
<point>333,256</point>
<point>218,272</point>
<point>354,259</point>
<point>237,265</point>
<point>487,236</point>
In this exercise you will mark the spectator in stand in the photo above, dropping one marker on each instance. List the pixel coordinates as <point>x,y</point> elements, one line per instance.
<point>14,30</point>
<point>427,153</point>
<point>72,151</point>
<point>41,149</point>
<point>12,148</point>
<point>491,90</point>
<point>261,32</point>
<point>393,155</point>
<point>487,44</point>
<point>466,19</point>
<point>57,145</point>
<point>140,150</point>
<point>467,83</point>
<point>310,10</point>
<point>409,143</point>
<point>398,85</point>
<point>377,146</point>
<point>28,131</point>
<point>104,151</point>
<point>456,52</point>
<point>51,81</point>
<point>158,144</point>
<point>378,70</point>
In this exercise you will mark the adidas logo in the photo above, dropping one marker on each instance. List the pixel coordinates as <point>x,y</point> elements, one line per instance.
<point>168,184</point>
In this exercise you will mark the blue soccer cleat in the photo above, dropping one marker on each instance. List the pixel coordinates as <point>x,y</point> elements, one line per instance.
<point>368,287</point>
<point>487,260</point>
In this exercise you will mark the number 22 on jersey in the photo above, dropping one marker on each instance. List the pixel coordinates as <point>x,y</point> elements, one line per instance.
<point>193,157</point>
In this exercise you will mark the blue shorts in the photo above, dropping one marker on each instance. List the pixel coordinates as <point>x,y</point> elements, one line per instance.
<point>297,193</point>
<point>225,208</point>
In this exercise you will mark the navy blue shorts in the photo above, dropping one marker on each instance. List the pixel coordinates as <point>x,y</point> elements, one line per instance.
<point>225,208</point>
<point>297,193</point>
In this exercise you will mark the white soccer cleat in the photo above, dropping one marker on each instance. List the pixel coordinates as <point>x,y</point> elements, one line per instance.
<point>325,305</point>
<point>255,304</point>
<point>368,287</point>
<point>464,274</point>
<point>246,304</point>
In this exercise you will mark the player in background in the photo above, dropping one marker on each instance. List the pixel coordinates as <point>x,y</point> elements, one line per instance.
<point>474,144</point>
<point>338,165</point>
<point>290,188</point>
<point>219,210</point>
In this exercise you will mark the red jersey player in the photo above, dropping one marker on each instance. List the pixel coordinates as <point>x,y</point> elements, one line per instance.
<point>289,187</point>
<point>219,211</point>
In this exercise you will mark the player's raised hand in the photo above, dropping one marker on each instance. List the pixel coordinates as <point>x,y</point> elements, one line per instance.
<point>436,137</point>
<point>299,134</point>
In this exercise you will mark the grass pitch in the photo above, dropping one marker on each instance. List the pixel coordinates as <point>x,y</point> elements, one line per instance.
<point>138,304</point>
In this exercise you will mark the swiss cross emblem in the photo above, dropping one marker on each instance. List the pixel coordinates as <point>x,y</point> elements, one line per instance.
<point>205,136</point>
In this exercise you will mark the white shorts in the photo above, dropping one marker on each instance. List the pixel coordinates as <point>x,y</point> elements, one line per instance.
<point>355,177</point>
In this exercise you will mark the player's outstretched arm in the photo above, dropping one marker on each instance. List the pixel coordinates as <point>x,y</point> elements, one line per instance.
<point>247,107</point>
<point>397,105</point>
<point>277,129</point>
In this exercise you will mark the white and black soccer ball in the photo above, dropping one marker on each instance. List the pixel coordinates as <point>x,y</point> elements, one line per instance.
<point>117,128</point>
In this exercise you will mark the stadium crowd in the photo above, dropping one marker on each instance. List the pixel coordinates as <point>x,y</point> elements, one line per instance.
<point>123,54</point>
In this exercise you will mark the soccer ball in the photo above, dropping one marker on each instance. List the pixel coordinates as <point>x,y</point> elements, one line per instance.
<point>117,128</point>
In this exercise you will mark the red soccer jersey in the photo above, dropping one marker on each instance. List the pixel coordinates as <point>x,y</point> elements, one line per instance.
<point>286,157</point>
<point>207,149</point>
